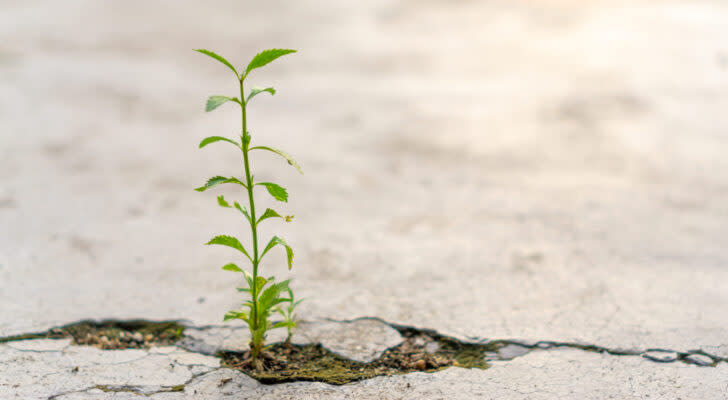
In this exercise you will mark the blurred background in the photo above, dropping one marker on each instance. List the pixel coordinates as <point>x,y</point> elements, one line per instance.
<point>524,169</point>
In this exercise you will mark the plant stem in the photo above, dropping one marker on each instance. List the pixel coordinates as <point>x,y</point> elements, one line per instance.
<point>253,226</point>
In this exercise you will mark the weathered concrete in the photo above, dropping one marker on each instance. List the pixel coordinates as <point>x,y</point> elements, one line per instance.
<point>38,369</point>
<point>506,169</point>
<point>363,340</point>
<point>560,373</point>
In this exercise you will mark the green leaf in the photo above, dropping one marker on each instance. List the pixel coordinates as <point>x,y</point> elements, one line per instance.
<point>283,154</point>
<point>269,213</point>
<point>216,101</point>
<point>213,139</point>
<point>254,92</point>
<point>261,282</point>
<point>284,324</point>
<point>248,278</point>
<point>276,241</point>
<point>221,201</point>
<point>216,180</point>
<point>236,180</point>
<point>230,315</point>
<point>218,58</point>
<point>265,308</point>
<point>229,241</point>
<point>232,267</point>
<point>243,210</point>
<point>271,296</point>
<point>265,57</point>
<point>276,191</point>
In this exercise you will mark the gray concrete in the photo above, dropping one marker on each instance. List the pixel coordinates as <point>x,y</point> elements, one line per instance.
<point>40,372</point>
<point>137,374</point>
<point>531,170</point>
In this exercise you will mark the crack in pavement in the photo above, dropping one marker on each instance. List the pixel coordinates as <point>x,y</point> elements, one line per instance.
<point>138,389</point>
<point>685,357</point>
<point>501,350</point>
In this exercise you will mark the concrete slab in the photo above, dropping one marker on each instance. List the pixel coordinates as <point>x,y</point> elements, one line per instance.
<point>362,340</point>
<point>510,169</point>
<point>30,374</point>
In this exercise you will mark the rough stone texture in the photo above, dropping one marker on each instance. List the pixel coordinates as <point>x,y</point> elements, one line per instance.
<point>28,373</point>
<point>213,339</point>
<point>40,345</point>
<point>224,382</point>
<point>363,340</point>
<point>535,170</point>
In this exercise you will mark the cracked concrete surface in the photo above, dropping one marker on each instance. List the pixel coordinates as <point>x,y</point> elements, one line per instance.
<point>525,170</point>
<point>54,369</point>
<point>51,368</point>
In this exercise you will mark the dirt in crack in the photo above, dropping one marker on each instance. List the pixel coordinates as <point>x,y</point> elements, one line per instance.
<point>420,351</point>
<point>113,334</point>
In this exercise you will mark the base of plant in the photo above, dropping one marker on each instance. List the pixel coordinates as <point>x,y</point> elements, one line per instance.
<point>287,363</point>
<point>114,335</point>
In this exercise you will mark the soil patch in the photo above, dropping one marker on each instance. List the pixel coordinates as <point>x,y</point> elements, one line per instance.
<point>112,334</point>
<point>420,351</point>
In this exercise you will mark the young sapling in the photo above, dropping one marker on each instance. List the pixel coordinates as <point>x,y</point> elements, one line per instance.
<point>261,301</point>
<point>287,310</point>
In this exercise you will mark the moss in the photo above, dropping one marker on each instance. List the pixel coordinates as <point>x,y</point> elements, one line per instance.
<point>129,389</point>
<point>26,336</point>
<point>177,388</point>
<point>114,389</point>
<point>288,363</point>
<point>465,355</point>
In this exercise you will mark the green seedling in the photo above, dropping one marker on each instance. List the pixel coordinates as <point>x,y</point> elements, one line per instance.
<point>288,312</point>
<point>264,294</point>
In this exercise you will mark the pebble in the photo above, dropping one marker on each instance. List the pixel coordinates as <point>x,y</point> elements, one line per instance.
<point>138,337</point>
<point>511,351</point>
<point>420,365</point>
<point>432,347</point>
